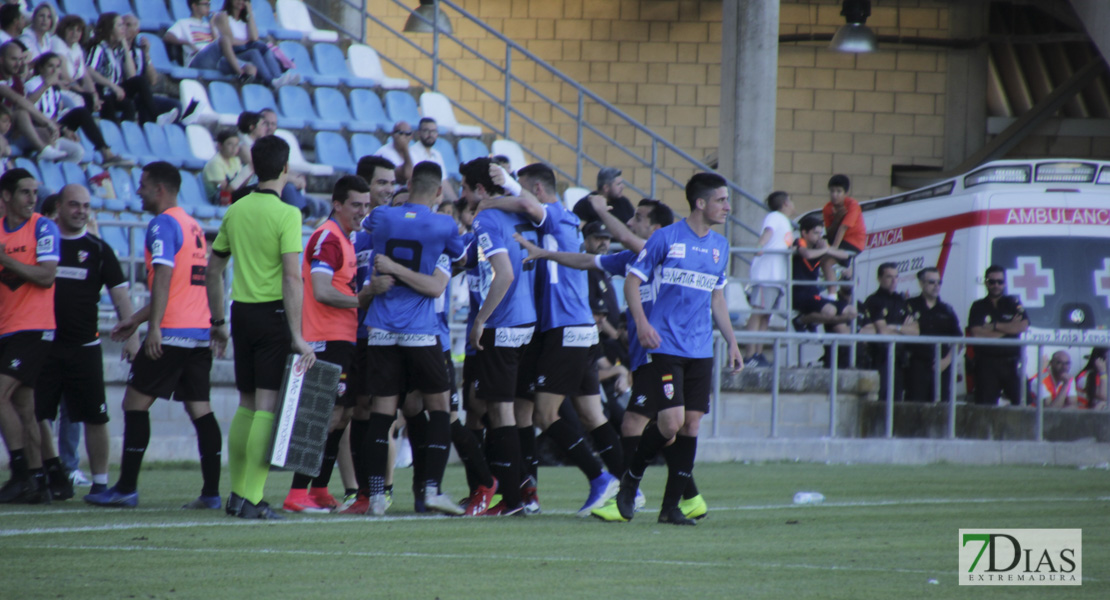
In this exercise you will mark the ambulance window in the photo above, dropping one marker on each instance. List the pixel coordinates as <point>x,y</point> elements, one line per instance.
<point>1063,282</point>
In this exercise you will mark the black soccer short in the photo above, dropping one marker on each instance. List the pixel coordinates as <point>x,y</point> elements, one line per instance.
<point>495,373</point>
<point>567,365</point>
<point>452,382</point>
<point>846,262</point>
<point>338,353</point>
<point>470,367</point>
<point>395,359</point>
<point>22,354</point>
<point>76,373</point>
<point>181,373</point>
<point>356,376</point>
<point>674,381</point>
<point>262,342</point>
<point>638,402</point>
<point>808,305</point>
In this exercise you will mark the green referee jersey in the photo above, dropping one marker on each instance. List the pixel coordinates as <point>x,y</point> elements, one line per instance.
<point>257,230</point>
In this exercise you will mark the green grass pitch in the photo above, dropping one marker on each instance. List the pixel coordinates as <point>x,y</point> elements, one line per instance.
<point>884,532</point>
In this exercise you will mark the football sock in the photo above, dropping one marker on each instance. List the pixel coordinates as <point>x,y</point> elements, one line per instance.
<point>575,447</point>
<point>209,445</point>
<point>358,451</point>
<point>628,444</point>
<point>376,450</point>
<point>258,456</point>
<point>608,446</point>
<point>331,450</point>
<point>437,446</point>
<point>300,481</point>
<point>418,426</point>
<point>18,461</point>
<point>691,489</point>
<point>237,435</point>
<point>136,436</point>
<point>505,464</point>
<point>650,443</point>
<point>470,453</point>
<point>680,466</point>
<point>529,460</point>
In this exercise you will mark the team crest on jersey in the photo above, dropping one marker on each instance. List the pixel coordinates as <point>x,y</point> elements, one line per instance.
<point>82,256</point>
<point>716,255</point>
<point>668,390</point>
<point>677,251</point>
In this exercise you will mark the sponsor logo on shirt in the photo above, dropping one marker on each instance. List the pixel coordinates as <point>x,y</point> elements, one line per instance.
<point>677,251</point>
<point>77,273</point>
<point>484,242</point>
<point>689,279</point>
<point>156,248</point>
<point>45,245</point>
<point>580,337</point>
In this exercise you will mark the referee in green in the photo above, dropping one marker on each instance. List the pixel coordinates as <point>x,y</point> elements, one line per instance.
<point>263,234</point>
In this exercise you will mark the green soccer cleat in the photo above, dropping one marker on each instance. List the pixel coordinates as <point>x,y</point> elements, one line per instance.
<point>694,508</point>
<point>608,513</point>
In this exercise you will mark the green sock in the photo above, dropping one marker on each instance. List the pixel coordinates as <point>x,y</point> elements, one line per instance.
<point>237,436</point>
<point>258,456</point>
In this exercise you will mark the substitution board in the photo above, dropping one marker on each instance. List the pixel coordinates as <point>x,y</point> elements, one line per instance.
<point>301,429</point>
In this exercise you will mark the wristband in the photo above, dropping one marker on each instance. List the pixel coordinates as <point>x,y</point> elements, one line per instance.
<point>217,323</point>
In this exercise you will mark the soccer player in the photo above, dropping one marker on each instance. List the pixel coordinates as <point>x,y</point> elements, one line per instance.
<point>688,261</point>
<point>263,234</point>
<point>176,358</point>
<point>403,338</point>
<point>74,369</point>
<point>28,265</point>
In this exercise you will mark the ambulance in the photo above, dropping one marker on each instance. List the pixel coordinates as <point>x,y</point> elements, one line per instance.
<point>1045,221</point>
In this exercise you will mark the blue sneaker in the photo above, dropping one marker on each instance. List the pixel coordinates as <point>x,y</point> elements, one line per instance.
<point>110,497</point>
<point>602,488</point>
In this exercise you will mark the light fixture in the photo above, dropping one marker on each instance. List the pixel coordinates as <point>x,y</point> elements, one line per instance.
<point>427,9</point>
<point>855,36</point>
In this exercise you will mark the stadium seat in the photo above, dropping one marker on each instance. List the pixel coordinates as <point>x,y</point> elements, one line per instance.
<point>297,162</point>
<point>153,15</point>
<point>225,101</point>
<point>90,152</point>
<point>257,97</point>
<point>367,107</point>
<point>363,61</point>
<point>364,144</point>
<point>50,174</point>
<point>114,138</point>
<point>115,235</point>
<point>303,66</point>
<point>85,9</point>
<point>74,174</point>
<point>512,150</point>
<point>450,161</point>
<point>201,142</point>
<point>573,194</point>
<point>161,59</point>
<point>192,194</point>
<point>122,183</point>
<point>160,146</point>
<point>295,101</point>
<point>438,107</point>
<point>136,143</point>
<point>265,21</point>
<point>330,102</point>
<point>471,148</point>
<point>329,60</point>
<point>178,143</point>
<point>26,163</point>
<point>191,89</point>
<point>332,150</point>
<point>401,107</point>
<point>293,14</point>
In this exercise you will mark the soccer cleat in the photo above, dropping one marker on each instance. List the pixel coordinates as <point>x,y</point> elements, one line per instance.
<point>480,500</point>
<point>79,479</point>
<point>234,504</point>
<point>608,513</point>
<point>359,506</point>
<point>641,500</point>
<point>418,504</point>
<point>529,496</point>
<point>61,488</point>
<point>674,516</point>
<point>378,504</point>
<point>502,510</point>
<point>348,501</point>
<point>323,498</point>
<point>694,508</point>
<point>39,493</point>
<point>261,511</point>
<point>15,488</point>
<point>626,497</point>
<point>204,503</point>
<point>110,497</point>
<point>300,501</point>
<point>602,488</point>
<point>441,502</point>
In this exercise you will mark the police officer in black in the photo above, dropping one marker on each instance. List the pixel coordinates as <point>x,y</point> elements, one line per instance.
<point>934,318</point>
<point>996,316</point>
<point>886,313</point>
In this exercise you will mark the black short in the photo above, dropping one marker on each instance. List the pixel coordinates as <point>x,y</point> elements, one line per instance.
<point>261,340</point>
<point>23,353</point>
<point>390,365</point>
<point>567,363</point>
<point>356,376</point>
<point>847,248</point>
<point>338,353</point>
<point>470,366</point>
<point>808,305</point>
<point>452,381</point>
<point>526,368</point>
<point>638,402</point>
<point>181,374</point>
<point>495,373</point>
<point>76,373</point>
<point>673,381</point>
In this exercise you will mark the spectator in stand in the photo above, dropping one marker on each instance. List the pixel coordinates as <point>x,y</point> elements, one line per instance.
<point>1056,388</point>
<point>994,317</point>
<point>192,34</point>
<point>225,174</point>
<point>124,94</point>
<point>39,35</point>
<point>77,84</point>
<point>611,185</point>
<point>1090,383</point>
<point>239,51</point>
<point>5,147</point>
<point>36,129</point>
<point>146,75</point>
<point>12,22</point>
<point>401,152</point>
<point>934,317</point>
<point>886,313</point>
<point>254,126</point>
<point>777,234</point>
<point>397,152</point>
<point>845,228</point>
<point>812,308</point>
<point>48,69</point>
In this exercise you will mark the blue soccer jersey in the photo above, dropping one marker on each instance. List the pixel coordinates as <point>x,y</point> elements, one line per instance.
<point>442,303</point>
<point>493,234</point>
<point>562,293</point>
<point>683,269</point>
<point>415,237</point>
<point>617,264</point>
<point>363,254</point>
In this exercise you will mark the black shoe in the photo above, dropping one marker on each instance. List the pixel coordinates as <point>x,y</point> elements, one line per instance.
<point>234,504</point>
<point>37,493</point>
<point>626,497</point>
<point>14,488</point>
<point>61,487</point>
<point>674,516</point>
<point>261,510</point>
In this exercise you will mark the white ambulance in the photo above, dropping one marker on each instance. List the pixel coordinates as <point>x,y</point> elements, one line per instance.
<point>1047,222</point>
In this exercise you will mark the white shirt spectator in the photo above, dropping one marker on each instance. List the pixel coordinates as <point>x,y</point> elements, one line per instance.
<point>772,267</point>
<point>418,153</point>
<point>198,31</point>
<point>74,57</point>
<point>47,45</point>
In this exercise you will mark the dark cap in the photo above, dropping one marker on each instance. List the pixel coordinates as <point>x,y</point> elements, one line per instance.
<point>607,175</point>
<point>596,228</point>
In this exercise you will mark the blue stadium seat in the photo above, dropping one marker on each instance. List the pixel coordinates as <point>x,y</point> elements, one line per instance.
<point>265,21</point>
<point>124,186</point>
<point>178,143</point>
<point>26,163</point>
<point>136,143</point>
<point>115,235</point>
<point>114,138</point>
<point>332,150</point>
<point>330,102</point>
<point>303,65</point>
<point>471,148</point>
<point>364,144</point>
<point>120,7</point>
<point>160,146</point>
<point>161,59</point>
<point>450,161</point>
<point>90,152</point>
<point>180,9</point>
<point>330,61</point>
<point>191,197</point>
<point>224,98</point>
<point>85,9</point>
<point>295,101</point>
<point>257,97</point>
<point>367,107</point>
<point>401,106</point>
<point>74,174</point>
<point>51,176</point>
<point>153,15</point>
